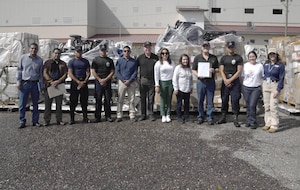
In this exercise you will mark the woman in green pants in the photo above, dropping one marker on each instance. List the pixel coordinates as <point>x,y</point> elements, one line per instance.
<point>163,74</point>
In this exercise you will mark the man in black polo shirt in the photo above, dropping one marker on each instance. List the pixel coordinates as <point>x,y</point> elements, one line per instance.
<point>146,63</point>
<point>231,66</point>
<point>206,85</point>
<point>103,69</point>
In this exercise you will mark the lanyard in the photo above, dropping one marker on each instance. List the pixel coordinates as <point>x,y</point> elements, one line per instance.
<point>270,68</point>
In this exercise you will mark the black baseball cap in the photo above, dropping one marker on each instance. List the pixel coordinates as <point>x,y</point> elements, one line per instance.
<point>230,44</point>
<point>147,43</point>
<point>103,47</point>
<point>205,43</point>
<point>78,48</point>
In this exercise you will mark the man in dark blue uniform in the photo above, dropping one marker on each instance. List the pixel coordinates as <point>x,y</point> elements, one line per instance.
<point>79,71</point>
<point>103,69</point>
<point>231,66</point>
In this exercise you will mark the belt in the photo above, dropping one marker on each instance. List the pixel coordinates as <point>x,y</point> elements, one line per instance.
<point>30,80</point>
<point>206,79</point>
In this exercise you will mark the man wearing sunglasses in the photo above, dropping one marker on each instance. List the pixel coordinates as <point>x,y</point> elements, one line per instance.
<point>126,71</point>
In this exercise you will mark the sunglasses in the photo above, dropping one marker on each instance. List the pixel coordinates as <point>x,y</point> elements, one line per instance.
<point>164,53</point>
<point>126,51</point>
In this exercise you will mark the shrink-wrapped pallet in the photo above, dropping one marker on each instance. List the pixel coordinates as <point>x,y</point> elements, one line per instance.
<point>13,45</point>
<point>46,47</point>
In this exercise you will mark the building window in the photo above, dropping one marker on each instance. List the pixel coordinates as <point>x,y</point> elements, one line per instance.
<point>216,10</point>
<point>67,20</point>
<point>277,11</point>
<point>249,11</point>
<point>252,41</point>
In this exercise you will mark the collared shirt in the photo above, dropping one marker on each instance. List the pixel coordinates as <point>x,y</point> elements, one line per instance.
<point>182,79</point>
<point>275,72</point>
<point>146,65</point>
<point>126,69</point>
<point>212,59</point>
<point>30,68</point>
<point>54,70</point>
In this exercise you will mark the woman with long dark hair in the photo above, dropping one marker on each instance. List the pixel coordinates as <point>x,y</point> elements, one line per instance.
<point>163,74</point>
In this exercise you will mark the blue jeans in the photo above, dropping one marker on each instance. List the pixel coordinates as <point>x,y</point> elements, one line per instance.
<point>206,88</point>
<point>251,96</point>
<point>26,89</point>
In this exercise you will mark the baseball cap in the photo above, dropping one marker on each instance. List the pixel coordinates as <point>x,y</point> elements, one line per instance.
<point>230,44</point>
<point>78,48</point>
<point>205,43</point>
<point>147,43</point>
<point>103,47</point>
<point>272,50</point>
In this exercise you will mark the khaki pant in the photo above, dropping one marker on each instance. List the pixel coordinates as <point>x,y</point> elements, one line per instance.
<point>122,89</point>
<point>271,104</point>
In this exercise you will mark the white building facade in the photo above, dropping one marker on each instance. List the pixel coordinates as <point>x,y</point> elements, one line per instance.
<point>256,20</point>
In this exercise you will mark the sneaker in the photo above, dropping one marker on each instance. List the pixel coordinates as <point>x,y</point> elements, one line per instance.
<point>37,124</point>
<point>200,121</point>
<point>61,123</point>
<point>168,118</point>
<point>134,119</point>
<point>265,128</point>
<point>272,130</point>
<point>22,126</point>
<point>142,118</point>
<point>163,119</point>
<point>119,119</point>
<point>210,122</point>
<point>109,119</point>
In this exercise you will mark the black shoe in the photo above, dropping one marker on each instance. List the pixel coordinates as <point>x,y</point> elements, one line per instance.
<point>222,120</point>
<point>200,121</point>
<point>143,117</point>
<point>134,119</point>
<point>37,124</point>
<point>152,118</point>
<point>47,123</point>
<point>236,124</point>
<point>247,125</point>
<point>22,126</point>
<point>109,119</point>
<point>210,122</point>
<point>181,120</point>
<point>61,123</point>
<point>71,122</point>
<point>97,120</point>
<point>119,119</point>
<point>86,120</point>
<point>253,126</point>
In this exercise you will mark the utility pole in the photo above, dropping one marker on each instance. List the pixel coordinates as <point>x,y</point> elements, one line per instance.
<point>286,5</point>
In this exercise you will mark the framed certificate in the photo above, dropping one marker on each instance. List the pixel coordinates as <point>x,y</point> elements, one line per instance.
<point>203,69</point>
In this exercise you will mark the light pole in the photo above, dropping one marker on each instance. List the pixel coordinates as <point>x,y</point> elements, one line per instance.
<point>286,5</point>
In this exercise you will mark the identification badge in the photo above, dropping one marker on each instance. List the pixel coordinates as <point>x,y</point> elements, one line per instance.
<point>268,80</point>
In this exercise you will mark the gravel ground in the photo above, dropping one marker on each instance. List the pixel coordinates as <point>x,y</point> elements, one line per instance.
<point>148,155</point>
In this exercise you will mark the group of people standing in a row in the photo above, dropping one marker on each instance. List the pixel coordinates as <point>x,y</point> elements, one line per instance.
<point>153,74</point>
